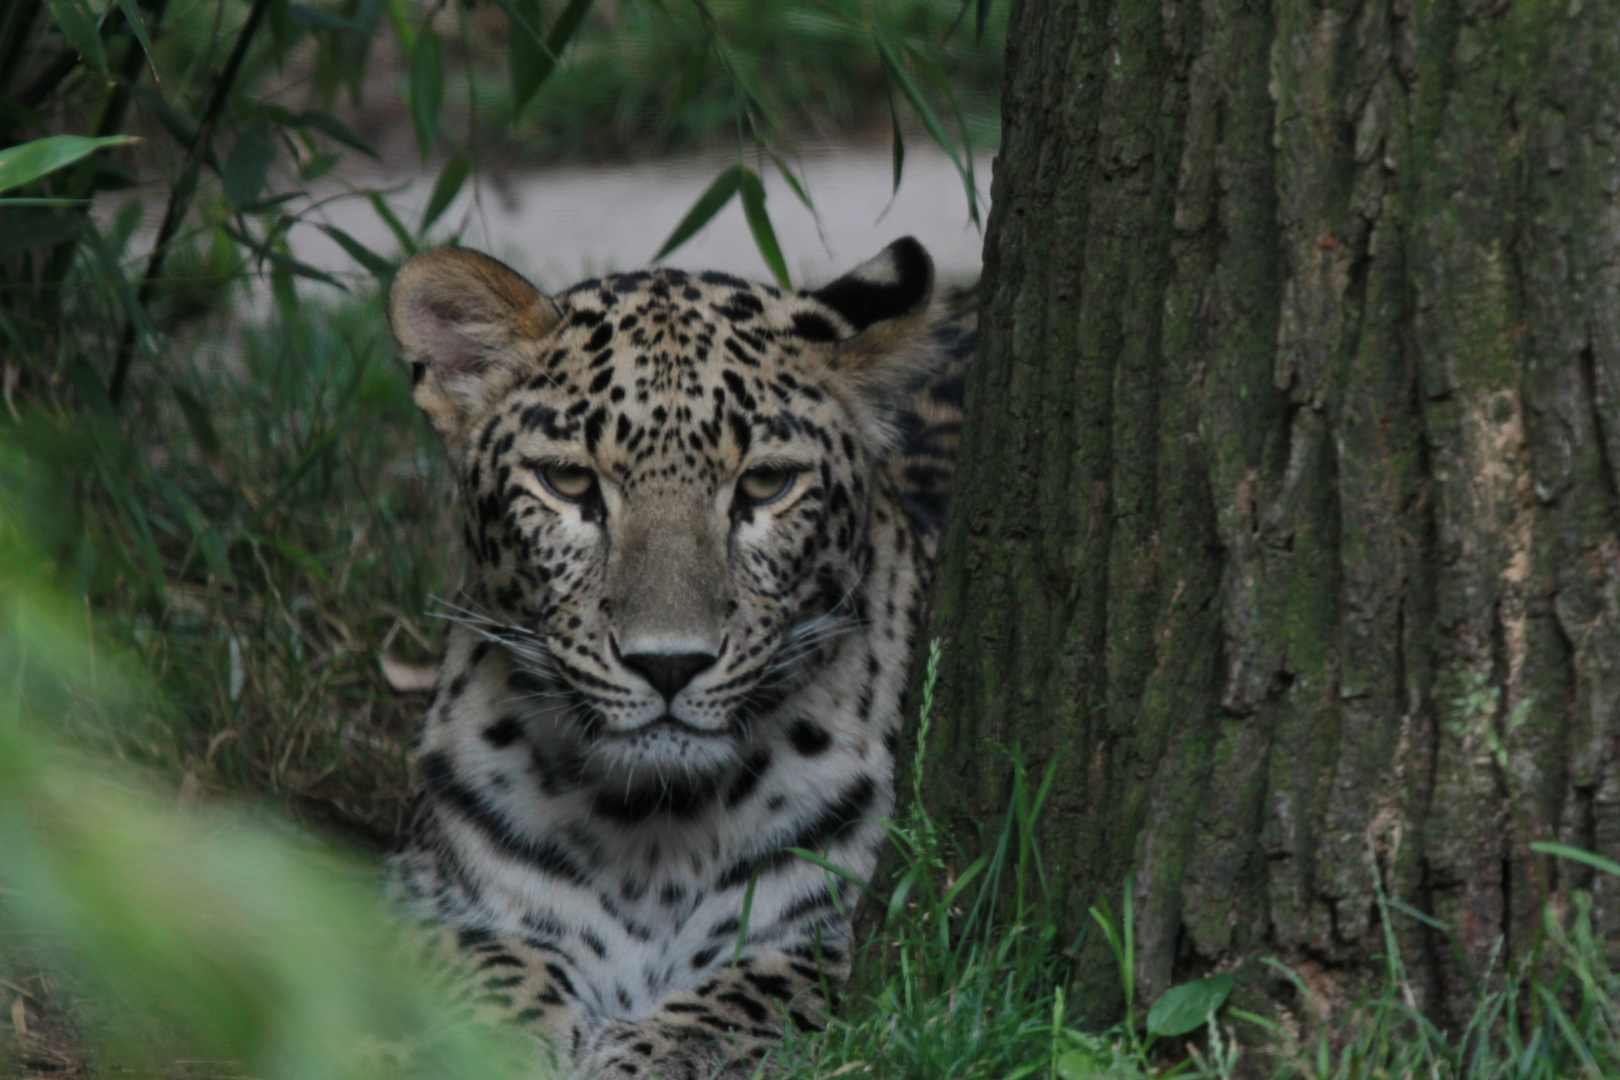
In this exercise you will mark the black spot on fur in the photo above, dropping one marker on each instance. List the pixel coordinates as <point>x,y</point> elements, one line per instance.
<point>504,732</point>
<point>808,738</point>
<point>813,327</point>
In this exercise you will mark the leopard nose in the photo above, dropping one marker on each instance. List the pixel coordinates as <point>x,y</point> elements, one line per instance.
<point>668,672</point>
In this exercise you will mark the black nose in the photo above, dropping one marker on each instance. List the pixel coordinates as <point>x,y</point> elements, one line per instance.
<point>668,672</point>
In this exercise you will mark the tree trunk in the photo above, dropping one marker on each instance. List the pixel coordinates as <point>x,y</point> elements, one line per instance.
<point>1287,511</point>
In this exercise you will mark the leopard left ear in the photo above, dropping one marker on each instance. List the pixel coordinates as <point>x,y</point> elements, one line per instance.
<point>465,322</point>
<point>888,300</point>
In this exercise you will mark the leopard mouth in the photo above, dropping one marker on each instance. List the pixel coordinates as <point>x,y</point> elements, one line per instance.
<point>671,724</point>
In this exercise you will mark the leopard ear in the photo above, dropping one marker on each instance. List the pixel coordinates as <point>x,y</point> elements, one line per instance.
<point>462,320</point>
<point>889,302</point>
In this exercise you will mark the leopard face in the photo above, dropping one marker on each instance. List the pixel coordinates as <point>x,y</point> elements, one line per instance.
<point>667,479</point>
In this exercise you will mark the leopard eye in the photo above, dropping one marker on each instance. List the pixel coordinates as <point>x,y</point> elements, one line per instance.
<point>571,482</point>
<point>761,486</point>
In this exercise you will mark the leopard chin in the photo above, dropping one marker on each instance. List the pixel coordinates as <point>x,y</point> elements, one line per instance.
<point>665,747</point>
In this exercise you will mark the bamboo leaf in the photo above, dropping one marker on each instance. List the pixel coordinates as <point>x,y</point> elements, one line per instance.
<point>314,18</point>
<point>78,25</point>
<point>137,26</point>
<point>248,165</point>
<point>304,270</point>
<point>531,61</point>
<point>798,189</point>
<point>28,162</point>
<point>199,421</point>
<point>936,75</point>
<point>445,190</point>
<point>708,204</point>
<point>931,121</point>
<point>380,268</point>
<point>407,243</point>
<point>759,223</point>
<point>697,65</point>
<point>427,90</point>
<point>335,129</point>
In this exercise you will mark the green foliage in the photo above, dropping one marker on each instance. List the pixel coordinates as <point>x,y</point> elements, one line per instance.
<point>203,936</point>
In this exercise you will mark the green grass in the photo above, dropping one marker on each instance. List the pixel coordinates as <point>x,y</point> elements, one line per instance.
<point>282,522</point>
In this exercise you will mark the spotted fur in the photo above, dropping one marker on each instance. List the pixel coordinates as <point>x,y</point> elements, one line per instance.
<point>660,681</point>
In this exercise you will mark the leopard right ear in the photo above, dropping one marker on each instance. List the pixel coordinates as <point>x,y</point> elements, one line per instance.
<point>463,321</point>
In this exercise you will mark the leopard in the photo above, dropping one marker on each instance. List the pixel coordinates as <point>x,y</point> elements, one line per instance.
<point>700,517</point>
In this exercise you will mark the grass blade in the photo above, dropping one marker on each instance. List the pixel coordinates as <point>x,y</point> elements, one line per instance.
<point>1563,851</point>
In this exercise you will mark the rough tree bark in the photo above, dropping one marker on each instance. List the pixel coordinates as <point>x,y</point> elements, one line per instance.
<point>1288,502</point>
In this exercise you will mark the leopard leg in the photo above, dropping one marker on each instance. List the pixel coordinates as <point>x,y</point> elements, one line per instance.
<point>722,1030</point>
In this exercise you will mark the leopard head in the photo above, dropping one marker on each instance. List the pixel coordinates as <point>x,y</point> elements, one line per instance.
<point>667,479</point>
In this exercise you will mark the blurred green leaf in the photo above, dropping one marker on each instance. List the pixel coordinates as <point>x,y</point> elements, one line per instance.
<point>335,129</point>
<point>798,189</point>
<point>380,268</point>
<point>1188,1007</point>
<point>177,124</point>
<point>427,90</point>
<point>248,166</point>
<point>445,190</point>
<point>936,75</point>
<point>759,223</point>
<point>134,19</point>
<point>319,165</point>
<point>531,60</point>
<point>936,130</point>
<point>697,65</point>
<point>31,160</point>
<point>24,231</point>
<point>313,18</point>
<point>78,25</point>
<point>407,242</point>
<point>198,420</point>
<point>399,17</point>
<point>292,266</point>
<point>19,114</point>
<point>708,204</point>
